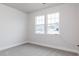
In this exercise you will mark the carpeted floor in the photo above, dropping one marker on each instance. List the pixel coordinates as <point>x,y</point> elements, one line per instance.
<point>34,50</point>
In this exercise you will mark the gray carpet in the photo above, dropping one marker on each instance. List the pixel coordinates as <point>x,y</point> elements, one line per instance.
<point>34,50</point>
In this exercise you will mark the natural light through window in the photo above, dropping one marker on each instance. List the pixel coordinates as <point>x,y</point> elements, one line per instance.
<point>39,24</point>
<point>53,23</point>
<point>47,24</point>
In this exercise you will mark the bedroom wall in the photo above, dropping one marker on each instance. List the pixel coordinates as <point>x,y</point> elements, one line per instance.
<point>68,37</point>
<point>13,27</point>
<point>14,30</point>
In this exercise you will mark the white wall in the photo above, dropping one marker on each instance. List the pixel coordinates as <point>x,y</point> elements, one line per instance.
<point>13,27</point>
<point>68,37</point>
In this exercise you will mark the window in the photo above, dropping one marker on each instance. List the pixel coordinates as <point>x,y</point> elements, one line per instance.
<point>39,24</point>
<point>53,23</point>
<point>48,24</point>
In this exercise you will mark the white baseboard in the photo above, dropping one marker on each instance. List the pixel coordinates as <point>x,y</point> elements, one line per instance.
<point>17,44</point>
<point>60,48</point>
<point>13,45</point>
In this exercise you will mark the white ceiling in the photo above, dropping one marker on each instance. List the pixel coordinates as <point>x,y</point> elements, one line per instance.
<point>30,7</point>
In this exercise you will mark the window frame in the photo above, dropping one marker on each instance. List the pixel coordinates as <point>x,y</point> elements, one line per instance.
<point>39,24</point>
<point>52,23</point>
<point>46,23</point>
